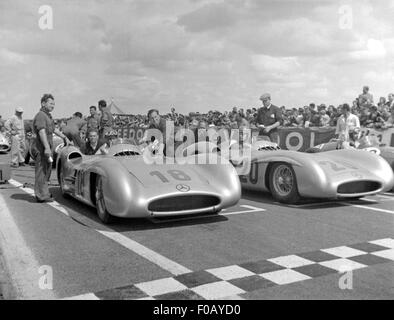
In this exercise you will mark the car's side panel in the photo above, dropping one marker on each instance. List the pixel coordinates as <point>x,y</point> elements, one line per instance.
<point>256,178</point>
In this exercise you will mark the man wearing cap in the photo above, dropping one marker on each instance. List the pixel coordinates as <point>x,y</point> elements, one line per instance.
<point>16,130</point>
<point>269,118</point>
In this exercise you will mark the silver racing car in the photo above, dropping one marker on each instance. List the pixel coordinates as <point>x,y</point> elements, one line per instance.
<point>123,184</point>
<point>290,175</point>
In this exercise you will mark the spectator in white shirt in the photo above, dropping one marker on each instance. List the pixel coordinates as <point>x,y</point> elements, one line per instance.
<point>348,126</point>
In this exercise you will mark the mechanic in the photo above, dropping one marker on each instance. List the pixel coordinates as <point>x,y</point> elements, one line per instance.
<point>73,129</point>
<point>269,118</point>
<point>106,119</point>
<point>93,120</point>
<point>94,144</point>
<point>16,130</point>
<point>348,127</point>
<point>110,137</point>
<point>158,123</point>
<point>44,128</point>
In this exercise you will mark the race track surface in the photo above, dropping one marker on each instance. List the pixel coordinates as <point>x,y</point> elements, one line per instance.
<point>257,249</point>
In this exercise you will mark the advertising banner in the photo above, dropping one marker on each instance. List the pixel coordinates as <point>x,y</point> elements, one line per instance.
<point>290,138</point>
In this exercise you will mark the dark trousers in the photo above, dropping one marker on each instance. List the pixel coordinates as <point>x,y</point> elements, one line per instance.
<point>76,139</point>
<point>43,170</point>
<point>273,135</point>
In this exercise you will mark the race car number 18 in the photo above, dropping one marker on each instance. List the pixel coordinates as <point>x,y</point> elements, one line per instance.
<point>175,174</point>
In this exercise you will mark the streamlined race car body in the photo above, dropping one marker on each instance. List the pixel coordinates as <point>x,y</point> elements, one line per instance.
<point>365,144</point>
<point>4,144</point>
<point>123,184</point>
<point>290,175</point>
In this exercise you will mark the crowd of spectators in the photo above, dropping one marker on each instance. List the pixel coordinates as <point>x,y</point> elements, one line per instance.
<point>378,116</point>
<point>371,115</point>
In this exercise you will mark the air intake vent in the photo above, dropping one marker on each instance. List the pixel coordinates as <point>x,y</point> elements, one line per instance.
<point>355,187</point>
<point>268,148</point>
<point>181,203</point>
<point>126,153</point>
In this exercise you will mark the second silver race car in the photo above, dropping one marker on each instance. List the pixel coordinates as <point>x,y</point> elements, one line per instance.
<point>290,175</point>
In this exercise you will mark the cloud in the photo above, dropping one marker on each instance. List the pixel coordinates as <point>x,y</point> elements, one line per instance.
<point>193,54</point>
<point>11,58</point>
<point>375,49</point>
<point>209,17</point>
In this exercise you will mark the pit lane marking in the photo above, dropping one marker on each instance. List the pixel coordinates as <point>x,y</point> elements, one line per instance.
<point>252,209</point>
<point>150,255</point>
<point>19,259</point>
<point>369,208</point>
<point>385,197</point>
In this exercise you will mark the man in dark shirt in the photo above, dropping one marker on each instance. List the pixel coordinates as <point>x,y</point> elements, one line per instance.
<point>269,118</point>
<point>93,120</point>
<point>44,128</point>
<point>156,122</point>
<point>73,128</point>
<point>106,119</point>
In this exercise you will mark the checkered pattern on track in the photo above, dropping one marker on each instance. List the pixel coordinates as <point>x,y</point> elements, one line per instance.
<point>231,282</point>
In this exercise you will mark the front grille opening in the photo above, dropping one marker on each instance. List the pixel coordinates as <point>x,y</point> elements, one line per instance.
<point>358,187</point>
<point>181,203</point>
<point>126,153</point>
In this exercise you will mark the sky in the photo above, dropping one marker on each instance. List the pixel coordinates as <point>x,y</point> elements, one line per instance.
<point>195,55</point>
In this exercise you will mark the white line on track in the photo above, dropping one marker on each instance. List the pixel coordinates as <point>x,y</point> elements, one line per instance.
<point>163,262</point>
<point>87,296</point>
<point>19,259</point>
<point>369,208</point>
<point>385,197</point>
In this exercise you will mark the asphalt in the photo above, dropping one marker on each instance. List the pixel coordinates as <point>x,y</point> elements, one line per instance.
<point>88,257</point>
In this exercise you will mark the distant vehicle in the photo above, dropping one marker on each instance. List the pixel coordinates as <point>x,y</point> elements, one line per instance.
<point>122,184</point>
<point>4,144</point>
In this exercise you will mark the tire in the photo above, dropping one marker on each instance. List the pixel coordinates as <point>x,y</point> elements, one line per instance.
<point>283,183</point>
<point>101,209</point>
<point>61,184</point>
<point>27,158</point>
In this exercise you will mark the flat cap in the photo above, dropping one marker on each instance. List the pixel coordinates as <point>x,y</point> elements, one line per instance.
<point>19,109</point>
<point>265,96</point>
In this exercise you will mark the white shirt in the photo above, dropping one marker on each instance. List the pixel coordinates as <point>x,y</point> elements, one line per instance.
<point>344,126</point>
<point>16,124</point>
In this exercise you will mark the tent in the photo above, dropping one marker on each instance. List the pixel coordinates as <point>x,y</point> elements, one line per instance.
<point>114,108</point>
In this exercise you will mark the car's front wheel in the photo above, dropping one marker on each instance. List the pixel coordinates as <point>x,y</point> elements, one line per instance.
<point>101,208</point>
<point>283,183</point>
<point>62,183</point>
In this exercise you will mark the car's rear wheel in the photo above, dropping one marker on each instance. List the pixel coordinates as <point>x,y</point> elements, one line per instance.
<point>101,208</point>
<point>283,183</point>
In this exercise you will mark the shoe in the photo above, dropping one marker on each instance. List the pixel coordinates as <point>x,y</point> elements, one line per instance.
<point>50,199</point>
<point>14,165</point>
<point>21,164</point>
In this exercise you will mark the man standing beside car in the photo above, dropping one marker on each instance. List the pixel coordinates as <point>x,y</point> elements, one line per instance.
<point>44,128</point>
<point>269,118</point>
